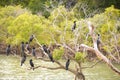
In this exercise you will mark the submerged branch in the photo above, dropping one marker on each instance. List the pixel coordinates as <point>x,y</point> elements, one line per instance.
<point>61,66</point>
<point>51,68</point>
<point>101,56</point>
<point>92,65</point>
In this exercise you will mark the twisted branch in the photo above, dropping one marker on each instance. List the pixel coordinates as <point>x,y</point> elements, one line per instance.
<point>98,53</point>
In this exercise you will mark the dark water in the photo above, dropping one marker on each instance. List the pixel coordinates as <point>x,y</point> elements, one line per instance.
<point>10,69</point>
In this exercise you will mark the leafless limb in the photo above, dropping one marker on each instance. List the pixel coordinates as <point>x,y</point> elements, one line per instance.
<point>92,65</point>
<point>40,45</point>
<point>51,68</point>
<point>61,66</point>
<point>99,54</point>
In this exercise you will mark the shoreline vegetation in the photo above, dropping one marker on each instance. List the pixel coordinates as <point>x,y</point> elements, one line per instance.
<point>14,51</point>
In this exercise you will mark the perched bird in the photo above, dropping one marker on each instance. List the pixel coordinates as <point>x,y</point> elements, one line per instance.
<point>8,50</point>
<point>45,48</point>
<point>98,41</point>
<point>33,51</point>
<point>22,49</point>
<point>27,47</point>
<point>31,38</point>
<point>67,64</point>
<point>23,59</point>
<point>31,64</point>
<point>48,51</point>
<point>74,26</point>
<point>49,55</point>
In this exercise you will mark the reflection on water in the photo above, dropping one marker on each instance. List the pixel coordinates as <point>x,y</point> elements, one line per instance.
<point>10,69</point>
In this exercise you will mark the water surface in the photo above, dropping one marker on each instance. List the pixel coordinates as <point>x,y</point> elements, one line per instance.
<point>10,69</point>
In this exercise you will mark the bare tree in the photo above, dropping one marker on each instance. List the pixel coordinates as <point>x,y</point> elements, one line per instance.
<point>78,70</point>
<point>98,53</point>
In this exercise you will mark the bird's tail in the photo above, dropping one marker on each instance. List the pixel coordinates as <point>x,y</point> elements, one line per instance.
<point>21,64</point>
<point>52,60</point>
<point>66,68</point>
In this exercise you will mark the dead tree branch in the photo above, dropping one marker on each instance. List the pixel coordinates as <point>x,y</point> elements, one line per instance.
<point>98,53</point>
<point>92,65</point>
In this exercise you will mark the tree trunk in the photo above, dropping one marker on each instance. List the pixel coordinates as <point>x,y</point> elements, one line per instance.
<point>80,76</point>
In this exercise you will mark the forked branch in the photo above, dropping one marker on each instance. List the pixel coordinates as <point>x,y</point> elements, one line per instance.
<point>98,53</point>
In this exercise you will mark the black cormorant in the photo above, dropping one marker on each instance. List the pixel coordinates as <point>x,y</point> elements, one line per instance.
<point>8,50</point>
<point>67,64</point>
<point>23,59</point>
<point>27,47</point>
<point>45,48</point>
<point>98,40</point>
<point>33,51</point>
<point>74,26</point>
<point>50,55</point>
<point>31,64</point>
<point>22,49</point>
<point>31,38</point>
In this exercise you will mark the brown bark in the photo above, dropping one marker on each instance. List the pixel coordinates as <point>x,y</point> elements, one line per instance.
<point>98,53</point>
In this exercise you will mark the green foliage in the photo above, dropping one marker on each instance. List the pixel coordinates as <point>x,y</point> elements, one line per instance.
<point>7,15</point>
<point>61,16</point>
<point>25,25</point>
<point>36,6</point>
<point>118,29</point>
<point>58,53</point>
<point>106,23</point>
<point>62,20</point>
<point>17,24</point>
<point>46,14</point>
<point>14,2</point>
<point>39,6</point>
<point>43,6</point>
<point>112,13</point>
<point>79,56</point>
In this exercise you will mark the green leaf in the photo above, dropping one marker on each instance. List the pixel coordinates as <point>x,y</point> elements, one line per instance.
<point>79,56</point>
<point>58,53</point>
